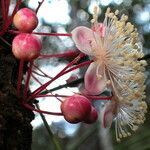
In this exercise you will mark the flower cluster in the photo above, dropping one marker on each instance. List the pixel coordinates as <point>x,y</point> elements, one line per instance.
<point>116,50</point>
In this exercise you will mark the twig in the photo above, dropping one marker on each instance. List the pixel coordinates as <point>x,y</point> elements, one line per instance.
<point>40,4</point>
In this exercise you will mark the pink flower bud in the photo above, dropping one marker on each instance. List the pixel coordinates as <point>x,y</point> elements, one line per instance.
<point>26,46</point>
<point>92,116</point>
<point>25,20</point>
<point>75,108</point>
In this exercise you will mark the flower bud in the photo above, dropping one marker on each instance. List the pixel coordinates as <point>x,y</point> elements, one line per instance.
<point>75,108</point>
<point>25,20</point>
<point>92,116</point>
<point>26,46</point>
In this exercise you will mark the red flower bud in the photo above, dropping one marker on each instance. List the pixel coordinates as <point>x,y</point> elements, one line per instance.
<point>26,46</point>
<point>92,116</point>
<point>75,108</point>
<point>25,20</point>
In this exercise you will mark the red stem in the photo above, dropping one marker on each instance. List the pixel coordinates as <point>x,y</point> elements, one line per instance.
<point>5,41</point>
<point>39,74</point>
<point>16,8</point>
<point>3,11</point>
<point>35,79</point>
<point>41,111</point>
<point>28,79</point>
<point>71,53</point>
<point>7,6</point>
<point>48,95</point>
<point>20,76</point>
<point>53,34</point>
<point>8,21</point>
<point>57,76</point>
<point>38,90</point>
<point>41,84</point>
<point>42,72</point>
<point>98,97</point>
<point>88,96</point>
<point>44,34</point>
<point>45,75</point>
<point>78,66</point>
<point>66,54</point>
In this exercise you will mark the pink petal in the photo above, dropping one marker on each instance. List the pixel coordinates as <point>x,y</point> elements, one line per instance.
<point>93,85</point>
<point>83,38</point>
<point>107,115</point>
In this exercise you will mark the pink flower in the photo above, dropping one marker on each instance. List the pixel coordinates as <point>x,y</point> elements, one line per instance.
<point>85,40</point>
<point>115,48</point>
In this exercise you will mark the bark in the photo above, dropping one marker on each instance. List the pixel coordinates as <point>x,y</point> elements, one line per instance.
<point>15,127</point>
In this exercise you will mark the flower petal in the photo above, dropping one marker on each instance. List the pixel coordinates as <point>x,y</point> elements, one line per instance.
<point>93,85</point>
<point>107,115</point>
<point>83,38</point>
